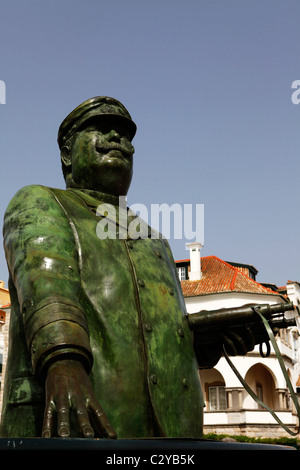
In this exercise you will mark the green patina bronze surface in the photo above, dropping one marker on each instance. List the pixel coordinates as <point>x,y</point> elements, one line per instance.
<point>114,305</point>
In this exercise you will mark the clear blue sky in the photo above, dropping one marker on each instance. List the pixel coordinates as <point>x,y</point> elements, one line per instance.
<point>208,83</point>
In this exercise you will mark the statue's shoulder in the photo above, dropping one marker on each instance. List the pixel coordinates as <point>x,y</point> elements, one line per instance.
<point>32,197</point>
<point>35,190</point>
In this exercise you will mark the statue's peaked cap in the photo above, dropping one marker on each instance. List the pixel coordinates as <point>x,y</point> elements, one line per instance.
<point>94,107</point>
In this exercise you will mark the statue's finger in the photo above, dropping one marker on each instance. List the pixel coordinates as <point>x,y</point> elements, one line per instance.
<point>84,423</point>
<point>102,424</point>
<point>48,421</point>
<point>63,422</point>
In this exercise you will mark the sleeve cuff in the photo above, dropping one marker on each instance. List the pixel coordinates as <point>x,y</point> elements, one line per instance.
<point>57,330</point>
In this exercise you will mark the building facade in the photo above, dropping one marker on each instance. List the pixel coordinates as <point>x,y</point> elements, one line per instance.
<point>4,322</point>
<point>210,283</point>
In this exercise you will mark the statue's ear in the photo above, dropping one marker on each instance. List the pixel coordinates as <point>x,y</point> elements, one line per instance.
<point>65,155</point>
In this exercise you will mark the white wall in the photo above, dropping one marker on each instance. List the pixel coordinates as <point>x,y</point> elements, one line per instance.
<point>228,300</point>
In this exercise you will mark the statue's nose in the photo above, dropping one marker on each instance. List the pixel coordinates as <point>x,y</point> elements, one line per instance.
<point>114,136</point>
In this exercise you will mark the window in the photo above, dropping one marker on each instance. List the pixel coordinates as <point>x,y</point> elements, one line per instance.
<point>181,273</point>
<point>285,337</point>
<point>295,337</point>
<point>288,404</point>
<point>217,398</point>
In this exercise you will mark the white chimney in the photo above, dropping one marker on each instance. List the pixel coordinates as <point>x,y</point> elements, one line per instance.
<point>195,261</point>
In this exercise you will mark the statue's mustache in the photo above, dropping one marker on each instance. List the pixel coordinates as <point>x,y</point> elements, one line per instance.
<point>107,146</point>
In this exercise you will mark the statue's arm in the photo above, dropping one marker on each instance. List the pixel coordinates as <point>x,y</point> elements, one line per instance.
<point>42,259</point>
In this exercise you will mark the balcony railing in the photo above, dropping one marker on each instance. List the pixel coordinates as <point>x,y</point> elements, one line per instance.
<point>215,418</point>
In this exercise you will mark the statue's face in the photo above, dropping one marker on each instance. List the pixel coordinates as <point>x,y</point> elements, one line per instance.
<point>101,157</point>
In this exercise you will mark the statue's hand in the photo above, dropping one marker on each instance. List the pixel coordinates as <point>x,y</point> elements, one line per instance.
<point>68,388</point>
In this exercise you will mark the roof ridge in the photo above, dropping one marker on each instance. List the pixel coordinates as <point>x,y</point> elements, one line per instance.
<point>243,274</point>
<point>236,276</point>
<point>231,287</point>
<point>255,282</point>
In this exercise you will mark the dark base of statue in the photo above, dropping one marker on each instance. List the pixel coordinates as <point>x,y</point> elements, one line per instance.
<point>154,451</point>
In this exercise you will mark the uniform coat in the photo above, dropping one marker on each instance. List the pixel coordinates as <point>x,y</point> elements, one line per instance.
<point>114,304</point>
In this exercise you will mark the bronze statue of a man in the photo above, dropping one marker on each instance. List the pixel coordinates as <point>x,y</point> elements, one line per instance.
<point>99,339</point>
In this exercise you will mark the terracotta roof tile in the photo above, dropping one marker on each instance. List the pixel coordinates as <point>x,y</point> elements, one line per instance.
<point>219,276</point>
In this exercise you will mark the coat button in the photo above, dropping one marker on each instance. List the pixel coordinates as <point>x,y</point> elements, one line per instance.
<point>185,382</point>
<point>180,332</point>
<point>158,253</point>
<point>27,305</point>
<point>153,379</point>
<point>141,283</point>
<point>171,291</point>
<point>148,327</point>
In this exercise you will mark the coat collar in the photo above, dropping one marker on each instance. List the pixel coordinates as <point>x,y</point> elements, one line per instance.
<point>93,198</point>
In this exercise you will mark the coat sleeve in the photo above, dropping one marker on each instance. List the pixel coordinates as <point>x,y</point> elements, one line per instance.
<point>42,259</point>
